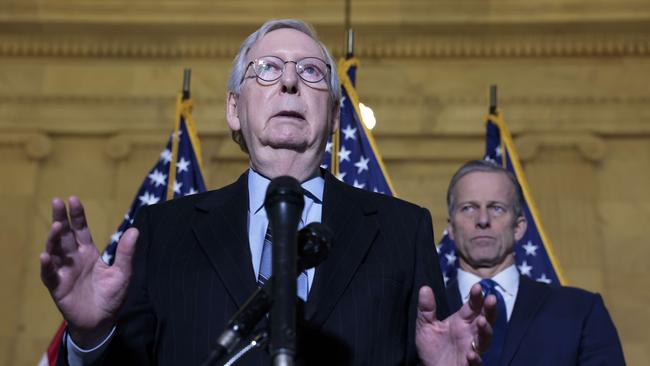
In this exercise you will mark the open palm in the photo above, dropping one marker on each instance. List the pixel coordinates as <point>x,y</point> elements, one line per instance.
<point>88,292</point>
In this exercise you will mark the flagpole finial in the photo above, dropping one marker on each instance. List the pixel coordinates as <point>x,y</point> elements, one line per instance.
<point>493,99</point>
<point>187,73</point>
<point>350,43</point>
<point>349,36</point>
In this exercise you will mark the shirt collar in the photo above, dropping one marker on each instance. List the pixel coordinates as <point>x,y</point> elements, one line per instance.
<point>508,281</point>
<point>257,185</point>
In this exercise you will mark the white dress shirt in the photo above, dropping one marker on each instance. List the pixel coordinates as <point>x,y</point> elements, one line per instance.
<point>507,284</point>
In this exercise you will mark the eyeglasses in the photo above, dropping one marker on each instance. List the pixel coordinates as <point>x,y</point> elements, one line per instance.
<point>271,68</point>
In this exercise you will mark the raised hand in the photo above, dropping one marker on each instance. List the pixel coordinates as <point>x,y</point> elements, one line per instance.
<point>461,338</point>
<point>88,292</point>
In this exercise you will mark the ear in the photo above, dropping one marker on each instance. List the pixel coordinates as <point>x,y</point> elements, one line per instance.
<point>232,112</point>
<point>336,119</point>
<point>450,230</point>
<point>520,227</point>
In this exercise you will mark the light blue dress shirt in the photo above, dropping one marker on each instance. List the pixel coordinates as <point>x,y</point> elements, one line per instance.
<point>258,221</point>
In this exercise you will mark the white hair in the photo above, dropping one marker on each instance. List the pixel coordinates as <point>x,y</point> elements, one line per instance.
<point>240,65</point>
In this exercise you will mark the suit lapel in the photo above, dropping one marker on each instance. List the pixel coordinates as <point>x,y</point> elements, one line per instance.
<point>221,230</point>
<point>355,228</point>
<point>530,298</point>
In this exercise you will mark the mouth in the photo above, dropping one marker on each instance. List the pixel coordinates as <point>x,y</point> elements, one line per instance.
<point>290,114</point>
<point>483,240</point>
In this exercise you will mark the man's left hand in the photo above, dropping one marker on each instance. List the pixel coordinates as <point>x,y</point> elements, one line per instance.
<point>458,340</point>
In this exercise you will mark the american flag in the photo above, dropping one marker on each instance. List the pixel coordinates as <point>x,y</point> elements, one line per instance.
<point>180,163</point>
<point>533,253</point>
<point>351,154</point>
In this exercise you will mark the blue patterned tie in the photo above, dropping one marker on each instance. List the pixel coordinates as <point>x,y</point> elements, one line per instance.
<point>493,354</point>
<point>302,285</point>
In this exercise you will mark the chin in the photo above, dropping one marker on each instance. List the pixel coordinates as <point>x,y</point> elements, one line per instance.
<point>485,261</point>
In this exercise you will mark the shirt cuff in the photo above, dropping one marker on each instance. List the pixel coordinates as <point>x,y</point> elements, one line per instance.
<point>78,356</point>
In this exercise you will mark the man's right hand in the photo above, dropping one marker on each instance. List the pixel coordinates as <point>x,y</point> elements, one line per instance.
<point>88,292</point>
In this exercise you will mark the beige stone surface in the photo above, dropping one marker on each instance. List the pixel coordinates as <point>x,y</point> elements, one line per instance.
<point>87,94</point>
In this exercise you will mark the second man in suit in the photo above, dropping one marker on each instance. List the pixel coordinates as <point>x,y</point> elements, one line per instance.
<point>536,324</point>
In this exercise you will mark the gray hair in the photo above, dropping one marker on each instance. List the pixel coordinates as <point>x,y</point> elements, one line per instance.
<point>487,167</point>
<point>240,65</point>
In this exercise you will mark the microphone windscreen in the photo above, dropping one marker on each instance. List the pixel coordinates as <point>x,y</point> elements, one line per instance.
<point>285,189</point>
<point>315,241</point>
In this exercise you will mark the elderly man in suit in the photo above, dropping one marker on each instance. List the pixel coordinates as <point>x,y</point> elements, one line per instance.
<point>536,324</point>
<point>198,258</point>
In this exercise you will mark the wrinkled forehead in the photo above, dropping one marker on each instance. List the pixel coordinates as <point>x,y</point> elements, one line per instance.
<point>286,43</point>
<point>485,186</point>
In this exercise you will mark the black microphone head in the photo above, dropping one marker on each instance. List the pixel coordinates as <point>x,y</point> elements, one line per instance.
<point>286,189</point>
<point>314,243</point>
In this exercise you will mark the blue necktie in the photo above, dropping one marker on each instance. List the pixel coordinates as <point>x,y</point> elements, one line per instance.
<point>493,354</point>
<point>302,285</point>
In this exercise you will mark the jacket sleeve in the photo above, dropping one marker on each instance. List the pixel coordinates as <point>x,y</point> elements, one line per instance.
<point>133,341</point>
<point>427,273</point>
<point>599,344</point>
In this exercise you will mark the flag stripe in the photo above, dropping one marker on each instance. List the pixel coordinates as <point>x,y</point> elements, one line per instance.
<point>506,139</point>
<point>354,157</point>
<point>344,66</point>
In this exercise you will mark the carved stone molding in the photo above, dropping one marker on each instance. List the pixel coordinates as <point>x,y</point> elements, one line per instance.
<point>389,100</point>
<point>120,146</point>
<point>36,146</point>
<point>509,100</point>
<point>590,147</point>
<point>218,147</point>
<point>379,40</point>
<point>60,99</point>
<point>234,12</point>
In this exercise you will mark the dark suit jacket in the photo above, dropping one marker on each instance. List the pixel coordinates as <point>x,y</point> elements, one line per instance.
<point>192,271</point>
<point>555,326</point>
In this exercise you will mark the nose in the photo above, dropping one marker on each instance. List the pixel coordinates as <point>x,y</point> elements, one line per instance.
<point>483,219</point>
<point>289,79</point>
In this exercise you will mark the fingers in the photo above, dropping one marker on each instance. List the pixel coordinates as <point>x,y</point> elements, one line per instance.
<point>78,221</point>
<point>476,298</point>
<point>484,334</point>
<point>474,305</point>
<point>125,250</point>
<point>59,212</point>
<point>49,275</point>
<point>426,305</point>
<point>53,240</point>
<point>64,240</point>
<point>474,359</point>
<point>490,309</point>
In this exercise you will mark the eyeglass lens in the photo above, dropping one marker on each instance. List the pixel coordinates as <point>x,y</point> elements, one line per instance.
<point>270,68</point>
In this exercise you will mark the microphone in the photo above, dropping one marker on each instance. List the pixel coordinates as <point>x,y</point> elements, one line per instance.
<point>314,243</point>
<point>283,203</point>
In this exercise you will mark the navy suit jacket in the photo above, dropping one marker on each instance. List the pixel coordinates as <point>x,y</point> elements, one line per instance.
<point>192,271</point>
<point>555,326</point>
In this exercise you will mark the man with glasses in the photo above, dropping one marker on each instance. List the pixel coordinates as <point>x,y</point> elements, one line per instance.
<point>197,259</point>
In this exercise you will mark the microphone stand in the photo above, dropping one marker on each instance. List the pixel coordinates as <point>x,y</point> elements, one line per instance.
<point>314,244</point>
<point>256,342</point>
<point>284,203</point>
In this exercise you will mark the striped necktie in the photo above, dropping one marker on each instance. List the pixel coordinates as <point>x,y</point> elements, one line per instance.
<point>492,356</point>
<point>302,285</point>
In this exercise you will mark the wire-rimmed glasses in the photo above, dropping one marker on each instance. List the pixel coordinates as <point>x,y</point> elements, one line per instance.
<point>271,68</point>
